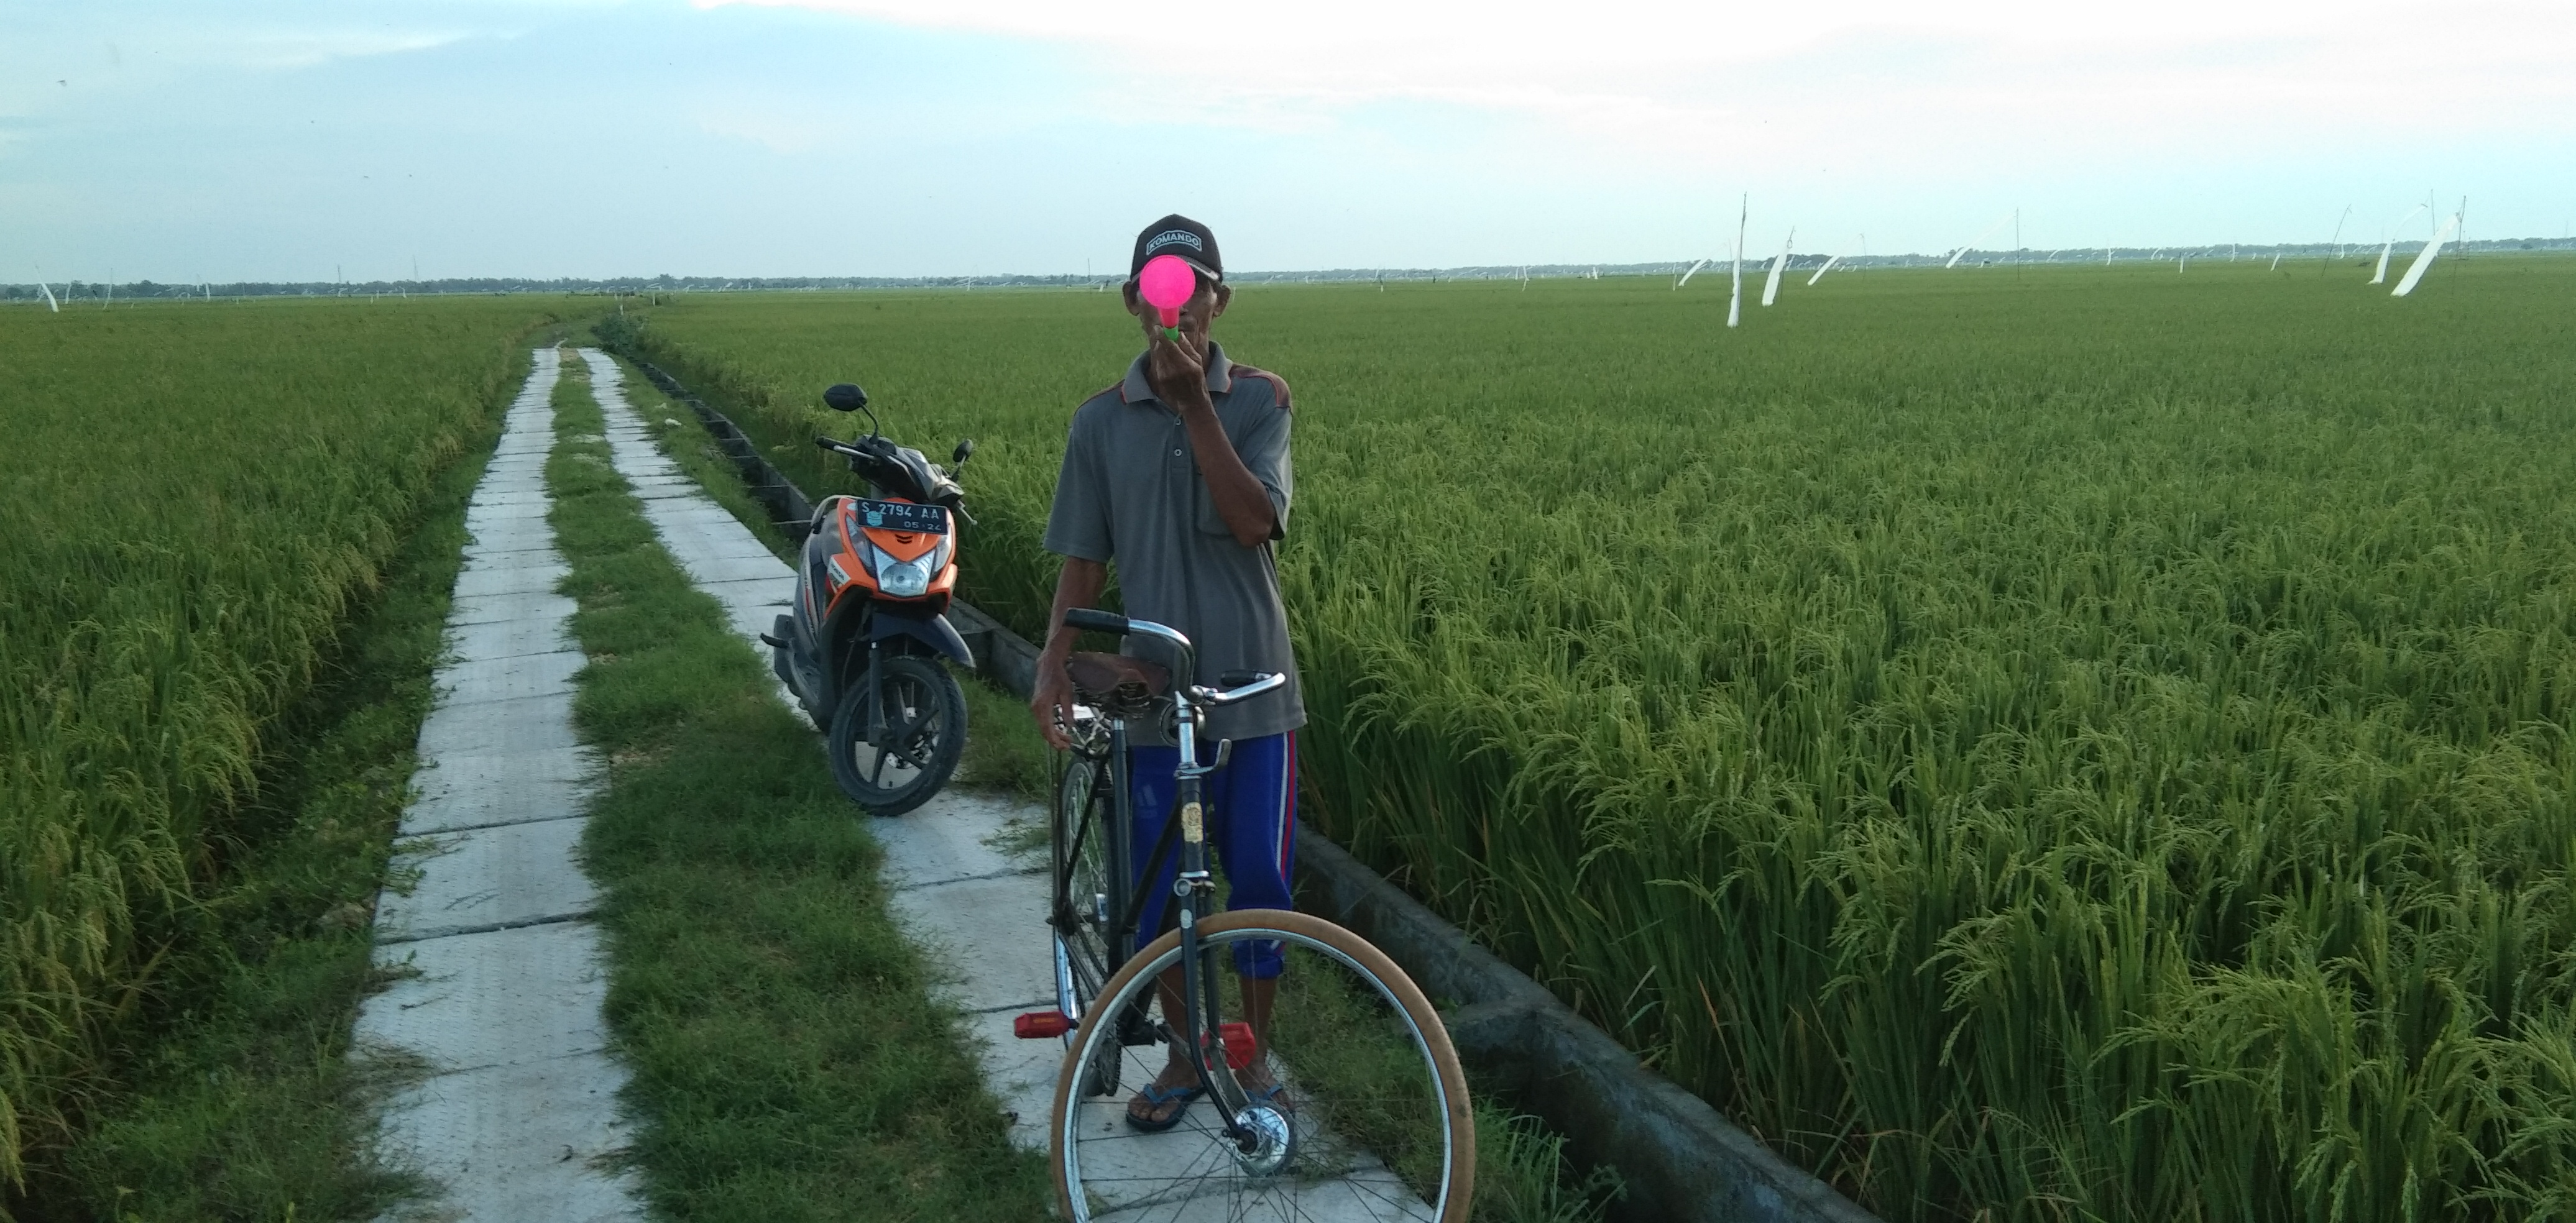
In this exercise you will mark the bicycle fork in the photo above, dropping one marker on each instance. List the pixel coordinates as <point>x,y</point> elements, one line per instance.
<point>1194,890</point>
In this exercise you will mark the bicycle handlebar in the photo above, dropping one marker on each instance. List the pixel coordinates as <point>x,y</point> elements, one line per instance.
<point>1095,620</point>
<point>1092,619</point>
<point>1266,683</point>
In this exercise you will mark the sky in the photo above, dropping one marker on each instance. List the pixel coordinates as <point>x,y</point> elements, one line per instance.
<point>308,140</point>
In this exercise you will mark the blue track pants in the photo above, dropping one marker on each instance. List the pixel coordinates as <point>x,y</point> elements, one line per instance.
<point>1251,823</point>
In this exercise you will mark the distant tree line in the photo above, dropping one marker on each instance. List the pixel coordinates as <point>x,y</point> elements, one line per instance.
<point>651,285</point>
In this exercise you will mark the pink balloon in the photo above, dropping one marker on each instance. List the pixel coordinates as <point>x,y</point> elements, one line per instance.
<point>1167,284</point>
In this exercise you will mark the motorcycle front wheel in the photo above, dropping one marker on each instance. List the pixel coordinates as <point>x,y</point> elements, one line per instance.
<point>924,720</point>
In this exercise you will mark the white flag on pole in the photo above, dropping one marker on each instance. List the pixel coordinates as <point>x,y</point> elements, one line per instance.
<point>1771,286</point>
<point>1820,272</point>
<point>49,297</point>
<point>2381,275</point>
<point>1735,297</point>
<point>2424,259</point>
<point>1694,271</point>
<point>1962,252</point>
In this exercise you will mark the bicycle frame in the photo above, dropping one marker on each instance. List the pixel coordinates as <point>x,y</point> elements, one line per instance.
<point>1194,888</point>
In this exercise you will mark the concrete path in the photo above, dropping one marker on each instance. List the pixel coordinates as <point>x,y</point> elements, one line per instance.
<point>717,551</point>
<point>504,1005</point>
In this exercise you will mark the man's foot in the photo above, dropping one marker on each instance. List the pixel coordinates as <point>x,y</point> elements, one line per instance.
<point>1261,1087</point>
<point>1159,1106</point>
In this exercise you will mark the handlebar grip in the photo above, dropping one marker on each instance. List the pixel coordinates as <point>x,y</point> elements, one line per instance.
<point>1095,620</point>
<point>827,443</point>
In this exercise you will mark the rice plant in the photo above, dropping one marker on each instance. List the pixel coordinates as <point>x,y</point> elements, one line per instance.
<point>2093,746</point>
<point>194,496</point>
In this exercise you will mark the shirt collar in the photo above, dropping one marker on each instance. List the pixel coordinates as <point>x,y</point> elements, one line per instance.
<point>1220,376</point>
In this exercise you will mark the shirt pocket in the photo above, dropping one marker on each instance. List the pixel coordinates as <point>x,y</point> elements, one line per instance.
<point>1204,511</point>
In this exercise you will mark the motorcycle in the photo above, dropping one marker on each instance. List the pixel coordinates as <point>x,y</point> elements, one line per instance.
<point>862,647</point>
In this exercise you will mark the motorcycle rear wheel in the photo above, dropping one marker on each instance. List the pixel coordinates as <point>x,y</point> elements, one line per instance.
<point>925,721</point>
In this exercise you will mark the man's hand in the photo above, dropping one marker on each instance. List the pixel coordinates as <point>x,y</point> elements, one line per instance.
<point>1177,373</point>
<point>1052,702</point>
<point>1078,584</point>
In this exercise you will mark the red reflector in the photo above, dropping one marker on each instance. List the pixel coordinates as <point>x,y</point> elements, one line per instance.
<point>1038,1024</point>
<point>1238,1044</point>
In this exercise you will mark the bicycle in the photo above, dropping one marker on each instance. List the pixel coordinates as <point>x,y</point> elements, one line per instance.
<point>1354,1107</point>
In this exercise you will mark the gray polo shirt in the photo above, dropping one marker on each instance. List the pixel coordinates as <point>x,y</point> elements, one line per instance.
<point>1130,493</point>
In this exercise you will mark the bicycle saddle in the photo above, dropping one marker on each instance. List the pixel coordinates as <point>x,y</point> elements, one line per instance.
<point>1120,686</point>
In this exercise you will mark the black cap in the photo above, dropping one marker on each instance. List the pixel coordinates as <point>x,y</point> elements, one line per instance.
<point>1178,235</point>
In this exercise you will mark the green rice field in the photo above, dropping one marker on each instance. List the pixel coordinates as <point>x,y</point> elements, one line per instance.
<point>2058,743</point>
<point>196,497</point>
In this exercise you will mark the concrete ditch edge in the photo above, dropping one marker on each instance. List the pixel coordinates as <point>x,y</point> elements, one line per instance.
<point>1682,1160</point>
<point>1680,1157</point>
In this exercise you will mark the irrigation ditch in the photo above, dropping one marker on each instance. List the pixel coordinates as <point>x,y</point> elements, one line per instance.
<point>1680,1159</point>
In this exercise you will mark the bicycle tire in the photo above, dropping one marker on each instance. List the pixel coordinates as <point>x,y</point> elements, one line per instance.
<point>1076,1125</point>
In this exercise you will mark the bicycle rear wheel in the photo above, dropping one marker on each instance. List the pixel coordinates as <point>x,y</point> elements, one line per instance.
<point>1090,890</point>
<point>1372,1121</point>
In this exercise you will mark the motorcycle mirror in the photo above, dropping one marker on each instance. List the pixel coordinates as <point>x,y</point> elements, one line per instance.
<point>845,397</point>
<point>965,451</point>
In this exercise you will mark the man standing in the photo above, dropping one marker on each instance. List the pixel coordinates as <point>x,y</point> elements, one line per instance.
<point>1179,474</point>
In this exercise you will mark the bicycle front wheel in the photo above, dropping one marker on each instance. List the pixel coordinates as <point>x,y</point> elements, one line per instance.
<point>1355,1105</point>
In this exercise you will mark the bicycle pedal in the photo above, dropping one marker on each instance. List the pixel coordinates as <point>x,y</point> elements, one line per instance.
<point>1238,1044</point>
<point>1037,1025</point>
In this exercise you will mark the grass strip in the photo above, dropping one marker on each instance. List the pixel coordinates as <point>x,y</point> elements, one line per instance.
<point>789,1062</point>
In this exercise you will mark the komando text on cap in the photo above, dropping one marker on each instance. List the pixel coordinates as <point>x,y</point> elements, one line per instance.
<point>1181,236</point>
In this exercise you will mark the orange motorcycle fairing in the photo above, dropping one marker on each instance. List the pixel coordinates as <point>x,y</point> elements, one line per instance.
<point>851,571</point>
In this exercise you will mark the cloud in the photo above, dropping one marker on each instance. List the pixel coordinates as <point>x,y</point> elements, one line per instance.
<point>783,130</point>
<point>276,49</point>
<point>1649,75</point>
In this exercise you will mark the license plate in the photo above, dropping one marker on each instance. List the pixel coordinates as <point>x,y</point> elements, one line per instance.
<point>901,516</point>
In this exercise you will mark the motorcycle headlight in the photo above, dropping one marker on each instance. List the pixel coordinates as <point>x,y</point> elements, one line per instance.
<point>903,579</point>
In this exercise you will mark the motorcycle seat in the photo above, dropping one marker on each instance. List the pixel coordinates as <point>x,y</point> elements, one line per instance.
<point>1120,686</point>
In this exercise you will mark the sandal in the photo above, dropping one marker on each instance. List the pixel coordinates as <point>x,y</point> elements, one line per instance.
<point>1154,1098</point>
<point>1275,1095</point>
